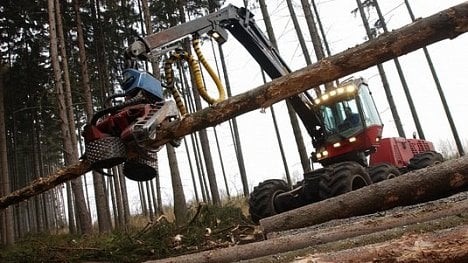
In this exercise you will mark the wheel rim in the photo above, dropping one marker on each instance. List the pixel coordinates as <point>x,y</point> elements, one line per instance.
<point>358,182</point>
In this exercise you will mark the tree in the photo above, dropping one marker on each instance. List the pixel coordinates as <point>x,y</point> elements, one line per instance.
<point>70,153</point>
<point>102,206</point>
<point>180,207</point>
<point>6,216</point>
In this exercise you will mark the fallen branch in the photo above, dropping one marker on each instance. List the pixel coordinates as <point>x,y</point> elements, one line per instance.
<point>421,185</point>
<point>446,24</point>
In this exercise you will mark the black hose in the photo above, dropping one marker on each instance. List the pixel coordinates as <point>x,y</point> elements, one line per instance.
<point>130,102</point>
<point>113,96</point>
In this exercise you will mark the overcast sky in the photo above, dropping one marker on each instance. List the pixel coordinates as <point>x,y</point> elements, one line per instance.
<point>344,30</point>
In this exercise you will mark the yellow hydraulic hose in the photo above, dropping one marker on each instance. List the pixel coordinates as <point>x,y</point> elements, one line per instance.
<point>202,88</point>
<point>170,82</point>
<point>193,64</point>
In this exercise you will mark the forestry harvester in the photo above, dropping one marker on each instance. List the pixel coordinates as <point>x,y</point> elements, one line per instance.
<point>343,121</point>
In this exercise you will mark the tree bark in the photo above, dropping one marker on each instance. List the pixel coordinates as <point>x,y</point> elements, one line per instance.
<point>431,216</point>
<point>102,206</point>
<point>6,216</point>
<point>204,141</point>
<point>301,149</point>
<point>180,207</point>
<point>449,245</point>
<point>70,150</point>
<point>410,188</point>
<point>446,24</point>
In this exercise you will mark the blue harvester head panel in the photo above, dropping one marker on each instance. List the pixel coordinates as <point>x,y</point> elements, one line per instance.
<point>135,80</point>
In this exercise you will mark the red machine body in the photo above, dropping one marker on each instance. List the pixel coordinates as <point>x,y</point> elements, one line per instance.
<point>398,151</point>
<point>119,124</point>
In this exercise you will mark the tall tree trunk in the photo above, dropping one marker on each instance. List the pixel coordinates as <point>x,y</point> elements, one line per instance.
<point>118,197</point>
<point>157,74</point>
<point>102,206</point>
<point>149,195</point>
<point>72,225</point>
<point>383,77</point>
<point>180,207</point>
<point>141,191</point>
<point>205,143</point>
<point>70,150</point>
<point>123,189</point>
<point>304,157</point>
<point>36,170</point>
<point>7,233</point>
<point>234,129</point>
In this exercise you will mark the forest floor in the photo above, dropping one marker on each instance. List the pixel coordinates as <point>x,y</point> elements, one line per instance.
<point>435,231</point>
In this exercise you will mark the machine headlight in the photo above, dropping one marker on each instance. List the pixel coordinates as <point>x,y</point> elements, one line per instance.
<point>352,139</point>
<point>337,144</point>
<point>350,89</point>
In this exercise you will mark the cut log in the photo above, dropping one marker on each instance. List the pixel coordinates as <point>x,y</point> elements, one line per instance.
<point>448,245</point>
<point>421,185</point>
<point>446,24</point>
<point>432,214</point>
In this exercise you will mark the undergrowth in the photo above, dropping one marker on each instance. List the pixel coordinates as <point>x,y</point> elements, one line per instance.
<point>208,227</point>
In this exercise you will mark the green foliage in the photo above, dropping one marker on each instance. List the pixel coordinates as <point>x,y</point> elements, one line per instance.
<point>156,240</point>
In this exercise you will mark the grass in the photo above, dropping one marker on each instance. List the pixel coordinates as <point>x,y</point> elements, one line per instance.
<point>208,227</point>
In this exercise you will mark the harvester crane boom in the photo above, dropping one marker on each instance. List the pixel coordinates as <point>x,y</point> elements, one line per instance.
<point>240,23</point>
<point>343,122</point>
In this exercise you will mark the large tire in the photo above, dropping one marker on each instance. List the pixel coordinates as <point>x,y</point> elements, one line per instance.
<point>382,171</point>
<point>342,178</point>
<point>424,160</point>
<point>261,201</point>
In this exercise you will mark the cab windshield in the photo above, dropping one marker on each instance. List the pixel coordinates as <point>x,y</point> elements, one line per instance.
<point>347,114</point>
<point>342,118</point>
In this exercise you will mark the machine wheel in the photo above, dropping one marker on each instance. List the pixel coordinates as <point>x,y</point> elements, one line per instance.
<point>142,168</point>
<point>342,178</point>
<point>261,201</point>
<point>382,171</point>
<point>106,152</point>
<point>425,159</point>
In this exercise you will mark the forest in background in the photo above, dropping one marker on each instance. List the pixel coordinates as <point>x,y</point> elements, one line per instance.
<point>45,106</point>
<point>60,60</point>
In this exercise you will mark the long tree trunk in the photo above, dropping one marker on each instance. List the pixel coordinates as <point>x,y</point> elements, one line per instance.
<point>102,206</point>
<point>292,115</point>
<point>69,149</point>
<point>417,186</point>
<point>156,72</point>
<point>6,215</point>
<point>180,207</point>
<point>448,23</point>
<point>204,141</point>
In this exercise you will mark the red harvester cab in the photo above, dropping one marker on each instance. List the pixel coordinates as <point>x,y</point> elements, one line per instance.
<point>351,122</point>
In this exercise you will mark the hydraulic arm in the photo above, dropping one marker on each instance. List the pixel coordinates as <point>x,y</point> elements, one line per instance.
<point>240,23</point>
